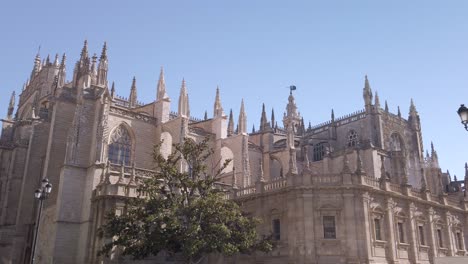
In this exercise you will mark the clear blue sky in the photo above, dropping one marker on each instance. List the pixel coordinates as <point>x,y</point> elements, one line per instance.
<point>255,49</point>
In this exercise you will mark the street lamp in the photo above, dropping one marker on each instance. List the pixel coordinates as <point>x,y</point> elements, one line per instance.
<point>463,113</point>
<point>41,194</point>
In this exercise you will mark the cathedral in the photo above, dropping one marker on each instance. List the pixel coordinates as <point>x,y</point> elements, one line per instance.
<point>356,189</point>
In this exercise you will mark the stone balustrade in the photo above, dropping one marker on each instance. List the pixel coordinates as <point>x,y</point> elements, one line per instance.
<point>275,185</point>
<point>123,186</point>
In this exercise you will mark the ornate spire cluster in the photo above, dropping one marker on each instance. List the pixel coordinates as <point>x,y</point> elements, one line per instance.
<point>88,67</point>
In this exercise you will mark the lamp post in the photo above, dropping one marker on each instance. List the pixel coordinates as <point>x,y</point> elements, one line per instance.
<point>41,194</point>
<point>463,113</point>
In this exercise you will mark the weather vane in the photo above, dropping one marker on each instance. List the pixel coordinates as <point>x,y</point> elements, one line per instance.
<point>292,88</point>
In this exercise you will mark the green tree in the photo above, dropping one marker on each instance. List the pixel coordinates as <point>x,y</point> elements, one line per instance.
<point>182,212</point>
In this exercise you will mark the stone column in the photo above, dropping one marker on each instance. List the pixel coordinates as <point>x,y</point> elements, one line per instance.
<point>448,230</point>
<point>352,241</point>
<point>309,231</point>
<point>366,235</point>
<point>413,241</point>
<point>389,219</point>
<point>432,239</point>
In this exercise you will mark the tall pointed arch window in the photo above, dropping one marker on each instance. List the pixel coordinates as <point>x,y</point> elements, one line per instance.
<point>319,151</point>
<point>120,146</point>
<point>352,138</point>
<point>395,142</point>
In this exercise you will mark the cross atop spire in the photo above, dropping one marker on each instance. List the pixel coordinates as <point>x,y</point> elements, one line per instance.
<point>161,90</point>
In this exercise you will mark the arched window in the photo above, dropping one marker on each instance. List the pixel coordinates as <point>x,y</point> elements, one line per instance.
<point>319,151</point>
<point>395,142</point>
<point>120,146</point>
<point>352,138</point>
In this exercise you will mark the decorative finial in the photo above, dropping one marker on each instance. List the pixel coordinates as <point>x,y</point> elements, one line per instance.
<point>104,51</point>
<point>399,112</point>
<point>113,90</point>
<point>377,100</point>
<point>386,106</point>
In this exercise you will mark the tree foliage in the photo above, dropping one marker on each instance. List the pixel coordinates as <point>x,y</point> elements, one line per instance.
<point>182,212</point>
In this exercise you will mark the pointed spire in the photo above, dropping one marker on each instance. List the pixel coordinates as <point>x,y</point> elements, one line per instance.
<point>56,60</point>
<point>113,90</point>
<point>205,117</point>
<point>62,74</point>
<point>184,110</point>
<point>377,101</point>
<point>242,119</point>
<point>367,94</point>
<point>332,116</point>
<point>218,109</point>
<point>230,128</point>
<point>11,106</point>
<point>161,90</point>
<point>37,64</point>
<point>386,106</point>
<point>103,67</point>
<point>434,157</point>
<point>399,112</point>
<point>132,99</point>
<point>263,119</point>
<point>272,117</point>
<point>84,51</point>
<point>47,60</point>
<point>104,52</point>
<point>253,128</point>
<point>412,109</point>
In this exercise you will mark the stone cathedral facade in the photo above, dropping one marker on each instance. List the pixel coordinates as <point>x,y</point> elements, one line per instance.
<point>355,189</point>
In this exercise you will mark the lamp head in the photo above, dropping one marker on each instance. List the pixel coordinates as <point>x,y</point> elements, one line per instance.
<point>48,188</point>
<point>44,182</point>
<point>37,194</point>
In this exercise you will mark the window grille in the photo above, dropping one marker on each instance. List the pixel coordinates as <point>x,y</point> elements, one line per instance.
<point>120,146</point>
